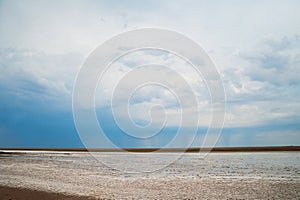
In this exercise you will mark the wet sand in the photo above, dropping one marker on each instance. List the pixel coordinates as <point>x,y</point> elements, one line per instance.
<point>9,193</point>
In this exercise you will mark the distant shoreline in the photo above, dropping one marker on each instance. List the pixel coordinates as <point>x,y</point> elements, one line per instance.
<point>167,150</point>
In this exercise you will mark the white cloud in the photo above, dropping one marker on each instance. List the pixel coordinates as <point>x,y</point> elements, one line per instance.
<point>261,82</point>
<point>35,75</point>
<point>147,96</point>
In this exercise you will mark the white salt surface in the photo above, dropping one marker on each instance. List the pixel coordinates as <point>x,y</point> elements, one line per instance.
<point>261,175</point>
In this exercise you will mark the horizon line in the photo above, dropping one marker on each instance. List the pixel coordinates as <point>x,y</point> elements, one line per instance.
<point>153,149</point>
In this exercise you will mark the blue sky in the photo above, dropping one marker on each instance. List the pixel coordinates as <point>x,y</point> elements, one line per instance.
<point>255,46</point>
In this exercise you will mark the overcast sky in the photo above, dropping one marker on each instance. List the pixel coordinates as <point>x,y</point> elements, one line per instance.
<point>255,46</point>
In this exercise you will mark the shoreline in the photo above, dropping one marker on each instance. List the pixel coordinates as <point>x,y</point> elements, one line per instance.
<point>8,193</point>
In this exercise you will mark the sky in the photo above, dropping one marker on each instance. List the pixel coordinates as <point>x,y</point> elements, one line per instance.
<point>255,46</point>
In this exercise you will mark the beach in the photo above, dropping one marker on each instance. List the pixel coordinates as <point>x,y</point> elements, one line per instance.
<point>78,175</point>
<point>9,193</point>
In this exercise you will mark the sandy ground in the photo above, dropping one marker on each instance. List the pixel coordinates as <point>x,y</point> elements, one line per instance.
<point>219,176</point>
<point>7,193</point>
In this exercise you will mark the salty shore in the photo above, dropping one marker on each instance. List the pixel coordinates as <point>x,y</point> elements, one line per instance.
<point>247,175</point>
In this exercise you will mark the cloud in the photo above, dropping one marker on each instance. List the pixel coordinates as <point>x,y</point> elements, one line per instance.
<point>174,98</point>
<point>36,76</point>
<point>275,61</point>
<point>262,81</point>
